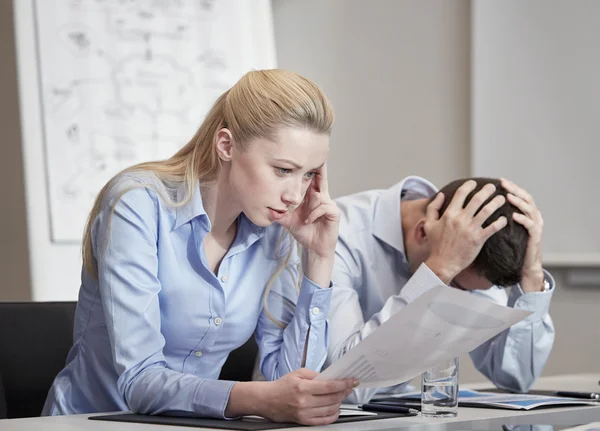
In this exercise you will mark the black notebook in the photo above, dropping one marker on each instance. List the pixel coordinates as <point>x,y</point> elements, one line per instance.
<point>238,424</point>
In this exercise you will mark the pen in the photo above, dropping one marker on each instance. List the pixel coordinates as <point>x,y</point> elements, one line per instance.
<point>586,395</point>
<point>389,409</point>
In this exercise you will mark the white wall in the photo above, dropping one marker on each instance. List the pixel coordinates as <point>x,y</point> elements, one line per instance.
<point>397,73</point>
<point>536,120</point>
<point>536,116</point>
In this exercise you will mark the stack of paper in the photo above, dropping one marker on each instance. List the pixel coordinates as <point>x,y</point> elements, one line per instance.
<point>471,398</point>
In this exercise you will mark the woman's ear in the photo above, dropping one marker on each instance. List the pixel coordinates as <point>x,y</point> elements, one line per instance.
<point>224,144</point>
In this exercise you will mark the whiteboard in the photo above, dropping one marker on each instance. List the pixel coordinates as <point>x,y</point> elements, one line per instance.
<point>123,82</point>
<point>536,114</point>
<point>241,34</point>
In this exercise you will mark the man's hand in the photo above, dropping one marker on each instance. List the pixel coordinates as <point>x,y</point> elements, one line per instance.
<point>532,279</point>
<point>458,236</point>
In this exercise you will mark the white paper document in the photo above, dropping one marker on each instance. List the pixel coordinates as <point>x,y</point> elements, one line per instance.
<point>439,325</point>
<point>471,398</point>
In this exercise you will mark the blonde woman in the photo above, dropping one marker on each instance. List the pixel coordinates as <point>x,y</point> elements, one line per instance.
<point>184,259</point>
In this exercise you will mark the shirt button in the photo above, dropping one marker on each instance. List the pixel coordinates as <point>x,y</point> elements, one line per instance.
<point>218,321</point>
<point>316,311</point>
<point>198,353</point>
<point>224,279</point>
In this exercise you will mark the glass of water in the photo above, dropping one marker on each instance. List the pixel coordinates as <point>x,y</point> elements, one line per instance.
<point>439,390</point>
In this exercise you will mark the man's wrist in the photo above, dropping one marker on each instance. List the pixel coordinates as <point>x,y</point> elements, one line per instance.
<point>442,272</point>
<point>534,282</point>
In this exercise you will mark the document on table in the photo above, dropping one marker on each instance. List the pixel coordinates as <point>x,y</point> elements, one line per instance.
<point>353,410</point>
<point>440,324</point>
<point>471,398</point>
<point>345,410</point>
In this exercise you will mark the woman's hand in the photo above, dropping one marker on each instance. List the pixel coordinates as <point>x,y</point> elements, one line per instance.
<point>295,397</point>
<point>315,225</point>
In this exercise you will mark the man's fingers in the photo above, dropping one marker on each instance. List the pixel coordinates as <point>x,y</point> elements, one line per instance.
<point>479,198</point>
<point>458,201</point>
<point>511,187</point>
<point>488,210</point>
<point>433,209</point>
<point>523,205</point>
<point>493,228</point>
<point>523,220</point>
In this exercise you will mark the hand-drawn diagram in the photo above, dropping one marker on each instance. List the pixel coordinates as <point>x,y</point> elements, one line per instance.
<point>126,81</point>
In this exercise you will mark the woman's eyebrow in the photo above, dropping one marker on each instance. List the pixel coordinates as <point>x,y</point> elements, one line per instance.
<point>290,162</point>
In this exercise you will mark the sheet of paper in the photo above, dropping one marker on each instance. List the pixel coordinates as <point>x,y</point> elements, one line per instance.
<point>345,410</point>
<point>440,324</point>
<point>471,398</point>
<point>354,412</point>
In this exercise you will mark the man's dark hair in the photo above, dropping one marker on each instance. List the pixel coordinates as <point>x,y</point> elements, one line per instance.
<point>502,256</point>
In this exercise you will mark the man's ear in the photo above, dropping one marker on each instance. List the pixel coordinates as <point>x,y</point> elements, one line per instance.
<point>419,232</point>
<point>224,144</point>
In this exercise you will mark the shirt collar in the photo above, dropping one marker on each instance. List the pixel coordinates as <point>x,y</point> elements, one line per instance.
<point>387,225</point>
<point>195,208</point>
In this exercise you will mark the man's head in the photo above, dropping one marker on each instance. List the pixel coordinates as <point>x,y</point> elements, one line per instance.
<point>501,258</point>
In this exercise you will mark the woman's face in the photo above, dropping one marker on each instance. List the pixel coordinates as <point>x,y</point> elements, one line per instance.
<point>271,177</point>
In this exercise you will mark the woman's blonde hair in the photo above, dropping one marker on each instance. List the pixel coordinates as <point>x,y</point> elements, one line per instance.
<point>259,103</point>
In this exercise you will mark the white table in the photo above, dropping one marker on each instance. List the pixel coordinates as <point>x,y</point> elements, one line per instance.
<point>468,418</point>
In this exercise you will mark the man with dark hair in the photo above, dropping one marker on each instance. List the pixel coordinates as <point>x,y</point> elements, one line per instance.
<point>502,256</point>
<point>396,244</point>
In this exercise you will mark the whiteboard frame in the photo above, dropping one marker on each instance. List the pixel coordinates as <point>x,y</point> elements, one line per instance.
<point>572,260</point>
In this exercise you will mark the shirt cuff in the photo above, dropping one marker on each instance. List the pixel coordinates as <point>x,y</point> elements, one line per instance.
<point>538,302</point>
<point>422,280</point>
<point>313,301</point>
<point>212,397</point>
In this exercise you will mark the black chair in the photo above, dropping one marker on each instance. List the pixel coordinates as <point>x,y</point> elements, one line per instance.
<point>240,363</point>
<point>2,401</point>
<point>35,338</point>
